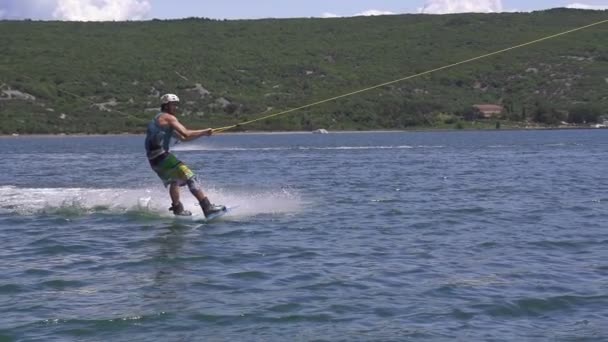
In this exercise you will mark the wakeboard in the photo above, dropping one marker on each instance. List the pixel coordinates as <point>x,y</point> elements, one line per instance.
<point>200,218</point>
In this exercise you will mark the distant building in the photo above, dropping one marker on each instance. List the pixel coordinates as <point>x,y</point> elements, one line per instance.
<point>488,111</point>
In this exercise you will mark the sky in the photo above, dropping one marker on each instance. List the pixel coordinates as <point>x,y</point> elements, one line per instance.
<point>120,10</point>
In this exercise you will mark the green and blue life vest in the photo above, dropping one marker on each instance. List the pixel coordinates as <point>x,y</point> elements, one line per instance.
<point>158,138</point>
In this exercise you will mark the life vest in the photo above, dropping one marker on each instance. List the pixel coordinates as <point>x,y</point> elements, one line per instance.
<point>158,138</point>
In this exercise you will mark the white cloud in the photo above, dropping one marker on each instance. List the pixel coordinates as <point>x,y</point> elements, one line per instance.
<point>76,10</point>
<point>371,12</point>
<point>587,7</point>
<point>95,10</point>
<point>461,6</point>
<point>329,15</point>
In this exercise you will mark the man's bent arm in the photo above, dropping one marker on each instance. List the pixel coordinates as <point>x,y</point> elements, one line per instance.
<point>183,133</point>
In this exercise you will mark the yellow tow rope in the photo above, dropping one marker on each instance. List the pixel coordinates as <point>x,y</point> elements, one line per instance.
<point>222,129</point>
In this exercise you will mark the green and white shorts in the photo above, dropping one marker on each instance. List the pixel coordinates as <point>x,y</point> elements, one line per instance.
<point>171,170</point>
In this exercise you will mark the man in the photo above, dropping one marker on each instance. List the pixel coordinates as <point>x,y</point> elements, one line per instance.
<point>171,170</point>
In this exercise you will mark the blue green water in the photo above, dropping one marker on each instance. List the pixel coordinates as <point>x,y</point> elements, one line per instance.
<point>440,236</point>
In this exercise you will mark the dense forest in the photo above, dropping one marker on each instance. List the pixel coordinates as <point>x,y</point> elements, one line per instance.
<point>106,77</point>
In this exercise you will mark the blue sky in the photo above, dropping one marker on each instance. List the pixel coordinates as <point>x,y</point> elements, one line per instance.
<point>315,8</point>
<point>252,9</point>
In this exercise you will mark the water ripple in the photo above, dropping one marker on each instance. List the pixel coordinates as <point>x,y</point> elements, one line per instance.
<point>465,236</point>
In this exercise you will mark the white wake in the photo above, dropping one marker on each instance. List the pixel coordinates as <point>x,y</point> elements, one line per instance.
<point>83,201</point>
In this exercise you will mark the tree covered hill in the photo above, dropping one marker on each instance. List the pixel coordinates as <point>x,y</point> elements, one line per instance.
<point>76,77</point>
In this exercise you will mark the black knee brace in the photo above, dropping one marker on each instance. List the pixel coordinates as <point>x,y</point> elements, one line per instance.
<point>193,184</point>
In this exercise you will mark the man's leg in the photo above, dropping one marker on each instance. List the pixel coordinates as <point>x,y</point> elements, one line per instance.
<point>198,193</point>
<point>176,206</point>
<point>174,193</point>
<point>208,208</point>
<point>184,176</point>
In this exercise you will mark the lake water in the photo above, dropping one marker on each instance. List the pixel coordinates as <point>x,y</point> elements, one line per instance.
<point>430,236</point>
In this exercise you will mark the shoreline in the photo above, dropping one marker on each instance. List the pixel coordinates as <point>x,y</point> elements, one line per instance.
<point>421,130</point>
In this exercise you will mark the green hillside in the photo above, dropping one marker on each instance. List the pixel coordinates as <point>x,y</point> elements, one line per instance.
<point>76,77</point>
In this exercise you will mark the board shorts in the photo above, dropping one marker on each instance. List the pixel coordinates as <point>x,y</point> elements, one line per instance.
<point>171,170</point>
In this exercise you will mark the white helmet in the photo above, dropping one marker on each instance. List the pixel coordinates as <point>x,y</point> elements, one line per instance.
<point>169,98</point>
